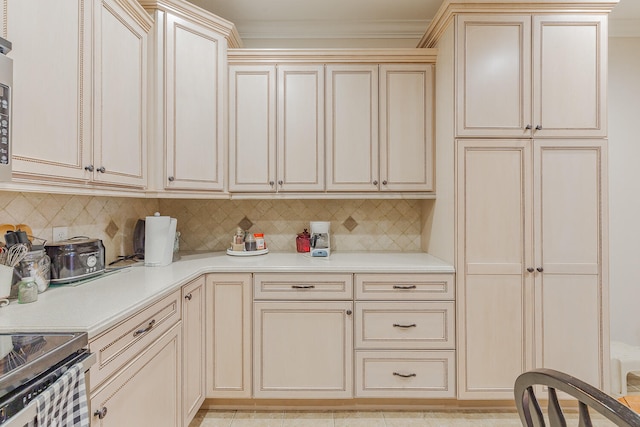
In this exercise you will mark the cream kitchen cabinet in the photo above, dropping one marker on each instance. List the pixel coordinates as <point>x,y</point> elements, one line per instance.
<point>531,75</point>
<point>405,335</point>
<point>303,346</point>
<point>193,348</point>
<point>189,61</point>
<point>276,136</point>
<point>532,287</point>
<point>92,120</point>
<point>137,377</point>
<point>228,340</point>
<point>400,103</point>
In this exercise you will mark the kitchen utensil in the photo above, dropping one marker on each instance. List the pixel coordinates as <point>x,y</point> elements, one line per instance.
<point>159,239</point>
<point>16,253</point>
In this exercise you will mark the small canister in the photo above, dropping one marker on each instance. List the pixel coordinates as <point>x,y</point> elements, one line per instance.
<point>249,242</point>
<point>303,243</point>
<point>27,290</point>
<point>259,241</point>
<point>37,265</point>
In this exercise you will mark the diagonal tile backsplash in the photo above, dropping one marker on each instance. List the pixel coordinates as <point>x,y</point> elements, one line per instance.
<point>376,225</point>
<point>207,225</point>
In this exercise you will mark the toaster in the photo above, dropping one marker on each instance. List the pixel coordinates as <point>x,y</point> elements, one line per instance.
<point>75,259</point>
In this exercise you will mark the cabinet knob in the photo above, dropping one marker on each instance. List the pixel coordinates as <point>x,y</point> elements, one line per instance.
<point>101,169</point>
<point>375,182</point>
<point>101,413</point>
<point>280,182</point>
<point>384,182</point>
<point>528,127</point>
<point>530,270</point>
<point>188,297</point>
<point>538,127</point>
<point>540,269</point>
<point>349,312</point>
<point>171,178</point>
<point>89,168</point>
<point>271,183</point>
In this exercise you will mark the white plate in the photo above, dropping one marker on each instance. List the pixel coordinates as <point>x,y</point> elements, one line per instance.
<point>247,253</point>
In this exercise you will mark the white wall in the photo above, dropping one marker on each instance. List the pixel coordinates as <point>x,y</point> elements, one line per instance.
<point>624,187</point>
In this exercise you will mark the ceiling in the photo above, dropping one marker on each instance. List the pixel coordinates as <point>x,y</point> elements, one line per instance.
<point>333,19</point>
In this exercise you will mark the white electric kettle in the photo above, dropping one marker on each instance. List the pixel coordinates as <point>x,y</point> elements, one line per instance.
<point>159,238</point>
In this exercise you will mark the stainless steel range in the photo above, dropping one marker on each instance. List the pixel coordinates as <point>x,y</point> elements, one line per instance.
<point>29,363</point>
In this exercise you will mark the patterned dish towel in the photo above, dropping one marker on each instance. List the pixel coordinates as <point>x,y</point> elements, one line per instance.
<point>64,403</point>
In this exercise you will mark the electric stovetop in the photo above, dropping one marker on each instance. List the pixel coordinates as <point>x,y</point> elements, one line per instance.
<point>25,356</point>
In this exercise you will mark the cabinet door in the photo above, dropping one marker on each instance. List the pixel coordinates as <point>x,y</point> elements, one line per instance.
<point>493,74</point>
<point>406,127</point>
<point>120,98</point>
<point>229,335</point>
<point>193,348</point>
<point>352,127</point>
<point>300,136</point>
<point>194,64</point>
<point>494,290</point>
<point>303,350</point>
<point>52,114</point>
<point>252,128</point>
<point>569,75</point>
<point>147,391</point>
<point>570,196</point>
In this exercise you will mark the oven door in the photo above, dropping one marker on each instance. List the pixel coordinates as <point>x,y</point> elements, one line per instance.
<point>28,413</point>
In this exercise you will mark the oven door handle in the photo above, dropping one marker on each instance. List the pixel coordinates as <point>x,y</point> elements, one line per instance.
<point>29,412</point>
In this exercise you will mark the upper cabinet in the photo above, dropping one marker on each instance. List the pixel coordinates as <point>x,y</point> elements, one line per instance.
<point>331,122</point>
<point>509,80</point>
<point>276,128</point>
<point>84,119</point>
<point>189,126</point>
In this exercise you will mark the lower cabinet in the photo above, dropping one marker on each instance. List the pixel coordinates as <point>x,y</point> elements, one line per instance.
<point>146,392</point>
<point>193,348</point>
<point>405,336</point>
<point>228,340</point>
<point>303,349</point>
<point>303,336</point>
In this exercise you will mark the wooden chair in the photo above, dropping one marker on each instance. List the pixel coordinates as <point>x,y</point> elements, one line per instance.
<point>587,396</point>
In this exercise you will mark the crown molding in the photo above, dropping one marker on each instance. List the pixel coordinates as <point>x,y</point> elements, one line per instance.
<point>327,56</point>
<point>196,14</point>
<point>624,27</point>
<point>343,29</point>
<point>137,12</point>
<point>450,8</point>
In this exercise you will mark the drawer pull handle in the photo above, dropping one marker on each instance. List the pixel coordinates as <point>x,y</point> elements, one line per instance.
<point>398,374</point>
<point>404,286</point>
<point>101,413</point>
<point>145,330</point>
<point>398,325</point>
<point>303,286</point>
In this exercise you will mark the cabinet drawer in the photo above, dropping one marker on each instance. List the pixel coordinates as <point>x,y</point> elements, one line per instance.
<point>313,286</point>
<point>405,374</point>
<point>405,325</point>
<point>124,342</point>
<point>404,286</point>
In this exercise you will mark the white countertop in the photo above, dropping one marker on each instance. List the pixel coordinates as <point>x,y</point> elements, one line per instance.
<point>97,305</point>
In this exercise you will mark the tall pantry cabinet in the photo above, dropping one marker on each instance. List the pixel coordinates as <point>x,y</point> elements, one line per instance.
<point>528,143</point>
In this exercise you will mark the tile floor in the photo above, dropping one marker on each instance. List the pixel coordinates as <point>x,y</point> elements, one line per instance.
<point>467,418</point>
<point>215,418</point>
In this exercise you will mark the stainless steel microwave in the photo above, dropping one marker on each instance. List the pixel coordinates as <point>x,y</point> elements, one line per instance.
<point>6,81</point>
